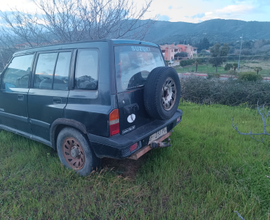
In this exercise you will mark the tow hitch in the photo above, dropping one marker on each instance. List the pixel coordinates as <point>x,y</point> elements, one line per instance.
<point>156,144</point>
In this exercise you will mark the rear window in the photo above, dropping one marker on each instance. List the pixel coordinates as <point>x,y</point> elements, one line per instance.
<point>86,73</point>
<point>133,65</point>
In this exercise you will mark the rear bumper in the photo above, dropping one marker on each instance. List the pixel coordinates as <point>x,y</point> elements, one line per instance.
<point>118,146</point>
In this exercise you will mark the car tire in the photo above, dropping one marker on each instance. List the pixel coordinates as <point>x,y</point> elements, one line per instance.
<point>162,93</point>
<point>75,153</point>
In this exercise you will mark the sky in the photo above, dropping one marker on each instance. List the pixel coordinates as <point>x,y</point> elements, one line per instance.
<point>193,11</point>
<point>196,11</point>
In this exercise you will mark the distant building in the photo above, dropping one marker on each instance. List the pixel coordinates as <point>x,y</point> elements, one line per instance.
<point>169,50</point>
<point>191,51</point>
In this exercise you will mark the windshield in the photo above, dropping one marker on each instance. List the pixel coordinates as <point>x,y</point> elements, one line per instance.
<point>133,65</point>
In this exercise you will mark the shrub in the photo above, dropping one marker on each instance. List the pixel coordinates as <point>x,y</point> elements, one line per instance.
<point>229,92</point>
<point>186,62</point>
<point>250,76</point>
<point>228,66</point>
<point>180,55</point>
<point>212,75</point>
<point>231,72</point>
<point>202,60</point>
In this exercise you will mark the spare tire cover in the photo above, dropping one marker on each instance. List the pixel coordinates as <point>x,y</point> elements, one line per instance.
<point>162,93</point>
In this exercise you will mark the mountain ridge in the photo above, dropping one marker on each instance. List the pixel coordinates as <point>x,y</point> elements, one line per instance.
<point>216,30</point>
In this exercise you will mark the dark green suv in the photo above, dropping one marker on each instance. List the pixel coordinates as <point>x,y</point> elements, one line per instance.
<point>89,100</point>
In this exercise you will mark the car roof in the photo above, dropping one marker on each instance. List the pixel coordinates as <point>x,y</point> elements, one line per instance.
<point>81,44</point>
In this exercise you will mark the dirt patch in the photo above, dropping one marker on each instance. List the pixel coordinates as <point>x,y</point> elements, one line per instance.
<point>126,168</point>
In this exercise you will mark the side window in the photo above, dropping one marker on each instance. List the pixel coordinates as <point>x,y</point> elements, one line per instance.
<point>61,74</point>
<point>44,71</point>
<point>86,73</point>
<point>17,73</point>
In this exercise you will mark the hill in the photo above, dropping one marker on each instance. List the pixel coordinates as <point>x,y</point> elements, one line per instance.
<point>216,30</point>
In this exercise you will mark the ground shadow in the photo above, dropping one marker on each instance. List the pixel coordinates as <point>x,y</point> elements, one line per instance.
<point>126,167</point>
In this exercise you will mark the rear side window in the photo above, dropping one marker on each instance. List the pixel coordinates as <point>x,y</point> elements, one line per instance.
<point>44,70</point>
<point>62,71</point>
<point>52,71</point>
<point>17,73</point>
<point>133,65</point>
<point>86,73</point>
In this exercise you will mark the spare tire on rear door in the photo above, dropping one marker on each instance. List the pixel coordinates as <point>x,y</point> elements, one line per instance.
<point>162,93</point>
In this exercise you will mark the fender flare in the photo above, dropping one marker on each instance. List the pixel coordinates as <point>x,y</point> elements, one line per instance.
<point>64,122</point>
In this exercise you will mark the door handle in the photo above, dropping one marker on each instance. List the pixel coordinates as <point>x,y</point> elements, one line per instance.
<point>20,97</point>
<point>57,100</point>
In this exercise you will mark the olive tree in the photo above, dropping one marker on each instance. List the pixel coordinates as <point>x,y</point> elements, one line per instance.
<point>196,63</point>
<point>235,65</point>
<point>257,69</point>
<point>218,54</point>
<point>228,66</point>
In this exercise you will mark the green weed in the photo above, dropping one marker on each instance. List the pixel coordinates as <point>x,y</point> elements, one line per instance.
<point>209,172</point>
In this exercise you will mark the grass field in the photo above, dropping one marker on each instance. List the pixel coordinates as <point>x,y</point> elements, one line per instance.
<point>209,173</point>
<point>245,66</point>
<point>206,68</point>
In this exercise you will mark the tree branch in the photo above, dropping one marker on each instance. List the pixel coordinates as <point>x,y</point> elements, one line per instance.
<point>264,115</point>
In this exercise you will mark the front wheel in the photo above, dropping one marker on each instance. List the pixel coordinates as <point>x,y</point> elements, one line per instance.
<point>75,153</point>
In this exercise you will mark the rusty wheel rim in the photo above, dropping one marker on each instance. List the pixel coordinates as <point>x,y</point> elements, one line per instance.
<point>73,153</point>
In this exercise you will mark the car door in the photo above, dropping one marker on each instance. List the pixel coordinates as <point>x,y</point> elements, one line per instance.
<point>48,97</point>
<point>14,94</point>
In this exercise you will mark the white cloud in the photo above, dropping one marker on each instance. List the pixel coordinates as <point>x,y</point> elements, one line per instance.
<point>24,5</point>
<point>198,10</point>
<point>209,13</point>
<point>230,12</point>
<point>176,10</point>
<point>192,11</point>
<point>230,9</point>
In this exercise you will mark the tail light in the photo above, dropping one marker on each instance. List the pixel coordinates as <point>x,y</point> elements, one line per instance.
<point>114,122</point>
<point>133,147</point>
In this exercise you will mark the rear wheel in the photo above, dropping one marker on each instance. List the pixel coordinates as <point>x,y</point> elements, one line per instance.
<point>74,152</point>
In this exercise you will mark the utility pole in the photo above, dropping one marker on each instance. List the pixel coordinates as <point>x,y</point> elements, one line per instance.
<point>240,54</point>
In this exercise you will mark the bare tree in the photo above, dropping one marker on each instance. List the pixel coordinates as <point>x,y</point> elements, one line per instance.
<point>264,115</point>
<point>62,21</point>
<point>76,20</point>
<point>5,55</point>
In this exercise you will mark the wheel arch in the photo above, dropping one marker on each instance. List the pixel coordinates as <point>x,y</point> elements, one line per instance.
<point>61,123</point>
